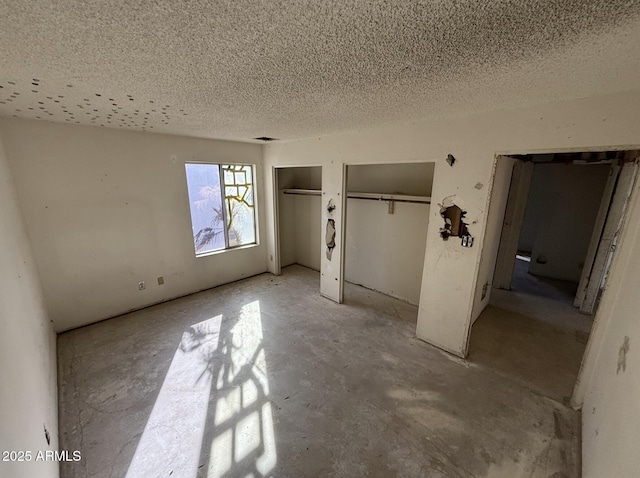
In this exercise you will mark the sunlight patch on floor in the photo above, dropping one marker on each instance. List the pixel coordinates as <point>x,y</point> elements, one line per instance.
<point>172,438</point>
<point>244,437</point>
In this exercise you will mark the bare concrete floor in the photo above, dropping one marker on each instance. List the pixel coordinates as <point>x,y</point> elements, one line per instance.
<point>523,281</point>
<point>533,334</point>
<point>264,377</point>
<point>536,341</point>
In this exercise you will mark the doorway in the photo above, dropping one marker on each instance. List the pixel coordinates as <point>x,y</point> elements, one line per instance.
<point>563,215</point>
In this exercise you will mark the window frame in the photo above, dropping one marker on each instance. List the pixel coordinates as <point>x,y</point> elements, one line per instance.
<point>225,228</point>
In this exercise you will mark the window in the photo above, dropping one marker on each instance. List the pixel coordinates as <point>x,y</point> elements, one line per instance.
<point>221,221</point>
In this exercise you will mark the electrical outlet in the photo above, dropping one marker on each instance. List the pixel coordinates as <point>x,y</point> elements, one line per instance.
<point>140,285</point>
<point>467,240</point>
<point>160,280</point>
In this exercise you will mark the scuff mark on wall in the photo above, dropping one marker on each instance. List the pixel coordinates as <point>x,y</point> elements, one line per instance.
<point>622,355</point>
<point>330,237</point>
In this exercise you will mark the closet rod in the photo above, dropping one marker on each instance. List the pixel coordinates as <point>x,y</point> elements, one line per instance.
<point>390,198</point>
<point>367,196</point>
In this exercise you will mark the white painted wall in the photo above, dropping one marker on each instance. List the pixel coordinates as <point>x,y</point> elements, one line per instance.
<point>28,390</point>
<point>300,236</point>
<point>300,177</point>
<point>561,212</point>
<point>286,217</point>
<point>287,228</point>
<point>105,209</point>
<point>611,391</point>
<point>453,274</point>
<point>413,179</point>
<point>308,231</point>
<point>385,252</point>
<point>534,213</point>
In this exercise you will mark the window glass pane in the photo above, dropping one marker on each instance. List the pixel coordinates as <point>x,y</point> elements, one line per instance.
<point>241,227</point>
<point>241,178</point>
<point>239,202</point>
<point>205,201</point>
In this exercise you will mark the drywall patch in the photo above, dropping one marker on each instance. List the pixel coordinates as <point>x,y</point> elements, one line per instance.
<point>330,237</point>
<point>622,355</point>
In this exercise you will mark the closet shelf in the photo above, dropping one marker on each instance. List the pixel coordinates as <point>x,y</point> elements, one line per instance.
<point>303,192</point>
<point>368,196</point>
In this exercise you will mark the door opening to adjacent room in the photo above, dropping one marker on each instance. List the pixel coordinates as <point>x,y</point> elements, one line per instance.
<point>562,220</point>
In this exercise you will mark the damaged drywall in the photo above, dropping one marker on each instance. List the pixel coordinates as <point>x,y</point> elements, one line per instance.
<point>451,160</point>
<point>454,224</point>
<point>451,210</point>
<point>330,237</point>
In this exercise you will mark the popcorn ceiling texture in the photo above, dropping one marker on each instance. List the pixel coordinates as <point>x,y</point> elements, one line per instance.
<point>242,69</point>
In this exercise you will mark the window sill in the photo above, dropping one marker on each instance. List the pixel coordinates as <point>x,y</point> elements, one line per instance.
<point>231,249</point>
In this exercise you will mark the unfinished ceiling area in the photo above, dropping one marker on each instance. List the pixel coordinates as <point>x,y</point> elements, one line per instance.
<point>243,69</point>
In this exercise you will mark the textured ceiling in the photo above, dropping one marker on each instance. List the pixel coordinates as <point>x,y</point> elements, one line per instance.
<point>242,69</point>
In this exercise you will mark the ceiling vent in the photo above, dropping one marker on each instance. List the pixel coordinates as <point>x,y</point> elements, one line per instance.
<point>266,139</point>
